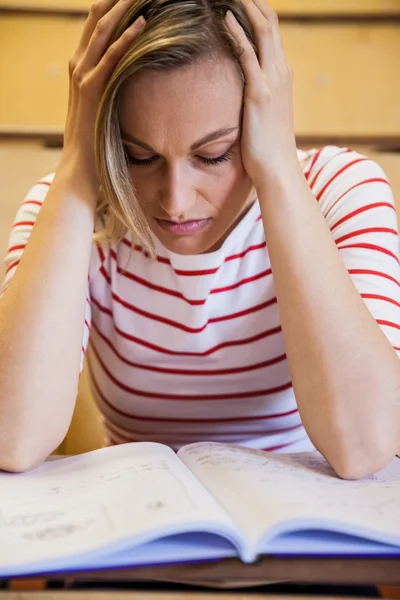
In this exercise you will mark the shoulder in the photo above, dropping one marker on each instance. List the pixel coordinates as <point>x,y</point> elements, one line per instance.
<point>342,176</point>
<point>35,197</point>
<point>328,164</point>
<point>25,220</point>
<point>321,164</point>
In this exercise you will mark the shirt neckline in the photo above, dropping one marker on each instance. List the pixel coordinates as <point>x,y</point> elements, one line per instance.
<point>215,258</point>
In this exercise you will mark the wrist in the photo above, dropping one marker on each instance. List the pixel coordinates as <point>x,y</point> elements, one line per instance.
<point>282,180</point>
<point>74,181</point>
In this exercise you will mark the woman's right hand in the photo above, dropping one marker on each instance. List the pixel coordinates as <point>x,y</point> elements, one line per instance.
<point>89,70</point>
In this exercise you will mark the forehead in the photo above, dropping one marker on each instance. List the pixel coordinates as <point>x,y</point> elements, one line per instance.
<point>186,103</point>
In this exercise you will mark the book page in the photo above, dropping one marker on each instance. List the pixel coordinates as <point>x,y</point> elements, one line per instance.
<point>260,490</point>
<point>84,503</point>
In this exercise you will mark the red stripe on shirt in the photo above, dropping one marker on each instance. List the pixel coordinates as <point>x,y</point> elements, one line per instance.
<point>36,202</point>
<point>100,252</point>
<point>242,342</point>
<point>371,247</point>
<point>189,397</point>
<point>249,249</point>
<point>379,297</point>
<point>14,248</point>
<point>364,182</point>
<point>165,261</point>
<point>313,182</point>
<point>153,286</point>
<point>376,273</point>
<point>388,323</point>
<point>363,231</point>
<point>181,420</point>
<point>129,437</point>
<point>279,447</point>
<point>106,276</point>
<point>175,293</point>
<point>361,210</point>
<point>137,248</point>
<point>198,273</point>
<point>188,372</point>
<point>314,160</point>
<point>181,326</point>
<point>24,223</point>
<point>339,172</point>
<point>234,286</point>
<point>14,264</point>
<point>111,433</point>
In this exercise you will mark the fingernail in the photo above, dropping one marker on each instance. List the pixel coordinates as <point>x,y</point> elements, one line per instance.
<point>141,21</point>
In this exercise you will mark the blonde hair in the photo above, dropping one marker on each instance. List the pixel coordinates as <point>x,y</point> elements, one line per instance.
<point>177,33</point>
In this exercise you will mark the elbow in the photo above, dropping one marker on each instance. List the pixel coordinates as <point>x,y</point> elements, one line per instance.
<point>15,465</point>
<point>356,463</point>
<point>360,446</point>
<point>351,470</point>
<point>18,460</point>
<point>18,456</point>
<point>24,445</point>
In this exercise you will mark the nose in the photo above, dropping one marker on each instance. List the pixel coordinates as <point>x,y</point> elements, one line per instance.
<point>178,194</point>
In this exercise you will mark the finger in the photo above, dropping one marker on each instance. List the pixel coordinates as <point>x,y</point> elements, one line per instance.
<point>272,18</point>
<point>247,56</point>
<point>116,52</point>
<point>263,30</point>
<point>267,11</point>
<point>96,12</point>
<point>100,39</point>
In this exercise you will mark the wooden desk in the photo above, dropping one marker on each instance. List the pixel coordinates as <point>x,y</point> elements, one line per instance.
<point>109,595</point>
<point>381,574</point>
<point>339,571</point>
<point>233,573</point>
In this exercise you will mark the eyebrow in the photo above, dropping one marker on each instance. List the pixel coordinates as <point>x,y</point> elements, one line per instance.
<point>211,137</point>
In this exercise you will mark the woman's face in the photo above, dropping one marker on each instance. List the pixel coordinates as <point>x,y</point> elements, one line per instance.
<point>192,191</point>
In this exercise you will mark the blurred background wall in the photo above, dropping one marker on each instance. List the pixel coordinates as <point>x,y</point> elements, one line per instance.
<point>346,59</point>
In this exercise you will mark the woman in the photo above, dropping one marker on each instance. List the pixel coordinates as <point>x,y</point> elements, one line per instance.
<point>239,290</point>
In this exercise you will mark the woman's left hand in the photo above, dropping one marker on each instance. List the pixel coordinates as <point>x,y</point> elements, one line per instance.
<point>268,142</point>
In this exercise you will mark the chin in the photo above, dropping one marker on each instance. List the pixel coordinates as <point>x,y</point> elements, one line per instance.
<point>189,244</point>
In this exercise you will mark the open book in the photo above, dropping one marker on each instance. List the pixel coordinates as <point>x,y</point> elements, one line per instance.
<point>141,503</point>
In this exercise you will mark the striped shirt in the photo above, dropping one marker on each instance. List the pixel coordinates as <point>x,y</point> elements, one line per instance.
<point>190,348</point>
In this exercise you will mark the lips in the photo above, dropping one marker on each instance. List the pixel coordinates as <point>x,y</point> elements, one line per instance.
<point>184,228</point>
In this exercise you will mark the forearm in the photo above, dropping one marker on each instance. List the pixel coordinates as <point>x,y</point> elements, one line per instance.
<point>41,326</point>
<point>345,374</point>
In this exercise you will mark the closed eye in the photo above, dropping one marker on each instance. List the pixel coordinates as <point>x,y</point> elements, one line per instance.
<point>207,161</point>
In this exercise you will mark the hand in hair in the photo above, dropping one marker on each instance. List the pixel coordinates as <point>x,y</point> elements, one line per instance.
<point>268,140</point>
<point>89,70</point>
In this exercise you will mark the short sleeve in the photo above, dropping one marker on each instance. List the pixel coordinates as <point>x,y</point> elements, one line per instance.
<point>21,229</point>
<point>357,202</point>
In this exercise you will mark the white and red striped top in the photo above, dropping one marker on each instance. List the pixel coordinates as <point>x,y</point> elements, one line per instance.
<point>190,348</point>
